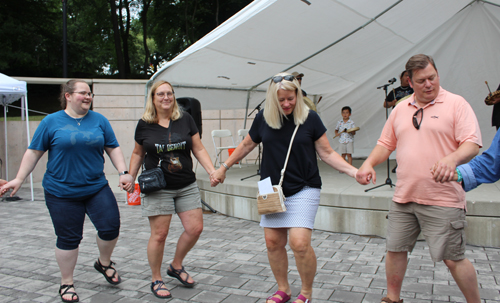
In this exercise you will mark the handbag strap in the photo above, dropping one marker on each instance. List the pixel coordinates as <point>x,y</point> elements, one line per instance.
<point>144,162</point>
<point>288,155</point>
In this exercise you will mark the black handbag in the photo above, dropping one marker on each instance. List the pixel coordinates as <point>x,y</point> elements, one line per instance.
<point>151,180</point>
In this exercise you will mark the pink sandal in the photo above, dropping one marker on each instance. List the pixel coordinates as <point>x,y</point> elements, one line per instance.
<point>304,299</point>
<point>284,297</point>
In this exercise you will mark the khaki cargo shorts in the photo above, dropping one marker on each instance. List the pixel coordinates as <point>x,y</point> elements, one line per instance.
<point>442,227</point>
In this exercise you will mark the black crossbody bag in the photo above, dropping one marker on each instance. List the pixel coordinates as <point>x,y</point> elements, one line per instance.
<point>151,180</point>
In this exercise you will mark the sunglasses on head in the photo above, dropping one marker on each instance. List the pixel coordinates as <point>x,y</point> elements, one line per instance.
<point>278,79</point>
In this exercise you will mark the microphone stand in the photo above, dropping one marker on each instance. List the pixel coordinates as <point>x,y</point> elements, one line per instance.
<point>257,108</point>
<point>388,181</point>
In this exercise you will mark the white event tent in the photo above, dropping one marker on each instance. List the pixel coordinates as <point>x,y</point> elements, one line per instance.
<point>346,49</point>
<point>12,90</point>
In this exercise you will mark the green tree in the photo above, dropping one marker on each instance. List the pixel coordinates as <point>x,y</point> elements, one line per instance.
<point>106,38</point>
<point>176,24</point>
<point>146,4</point>
<point>29,33</point>
<point>90,44</point>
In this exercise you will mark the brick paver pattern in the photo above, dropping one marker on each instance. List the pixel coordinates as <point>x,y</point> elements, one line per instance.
<point>229,263</point>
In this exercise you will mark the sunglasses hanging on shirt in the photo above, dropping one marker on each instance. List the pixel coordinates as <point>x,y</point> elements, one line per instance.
<point>417,123</point>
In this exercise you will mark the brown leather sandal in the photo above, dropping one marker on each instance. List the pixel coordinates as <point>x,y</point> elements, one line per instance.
<point>387,300</point>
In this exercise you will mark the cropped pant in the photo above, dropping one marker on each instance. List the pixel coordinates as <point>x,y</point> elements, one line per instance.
<point>68,216</point>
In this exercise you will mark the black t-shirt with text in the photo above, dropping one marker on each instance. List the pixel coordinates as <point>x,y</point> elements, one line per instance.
<point>173,147</point>
<point>302,169</point>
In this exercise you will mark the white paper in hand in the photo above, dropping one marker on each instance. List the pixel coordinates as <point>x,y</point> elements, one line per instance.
<point>265,186</point>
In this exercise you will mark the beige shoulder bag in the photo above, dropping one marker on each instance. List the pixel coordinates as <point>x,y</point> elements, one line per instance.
<point>275,202</point>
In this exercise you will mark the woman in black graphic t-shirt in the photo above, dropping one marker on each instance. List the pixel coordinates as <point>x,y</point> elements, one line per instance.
<point>167,136</point>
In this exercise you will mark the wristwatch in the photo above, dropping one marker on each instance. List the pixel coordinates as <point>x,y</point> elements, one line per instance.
<point>123,173</point>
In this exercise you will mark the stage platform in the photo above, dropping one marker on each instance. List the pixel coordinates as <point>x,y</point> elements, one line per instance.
<point>345,207</point>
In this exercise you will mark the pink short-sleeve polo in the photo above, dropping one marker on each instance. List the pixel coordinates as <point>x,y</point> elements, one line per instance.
<point>447,122</point>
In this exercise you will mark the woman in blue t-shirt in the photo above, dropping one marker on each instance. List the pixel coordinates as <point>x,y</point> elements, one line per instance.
<point>74,182</point>
<point>165,137</point>
<point>273,127</point>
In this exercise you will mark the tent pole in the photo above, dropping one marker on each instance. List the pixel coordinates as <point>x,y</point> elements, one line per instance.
<point>335,42</point>
<point>25,99</point>
<point>342,38</point>
<point>332,44</point>
<point>5,131</point>
<point>246,109</point>
<point>146,89</point>
<point>491,3</point>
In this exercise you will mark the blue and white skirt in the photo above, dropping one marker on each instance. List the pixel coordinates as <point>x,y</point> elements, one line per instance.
<point>301,210</point>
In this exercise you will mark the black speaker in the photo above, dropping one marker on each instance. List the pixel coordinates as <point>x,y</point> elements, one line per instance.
<point>193,107</point>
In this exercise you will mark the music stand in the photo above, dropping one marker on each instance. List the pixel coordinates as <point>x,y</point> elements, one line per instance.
<point>388,181</point>
<point>257,108</point>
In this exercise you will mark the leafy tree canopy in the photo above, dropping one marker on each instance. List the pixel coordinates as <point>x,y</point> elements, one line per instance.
<point>105,38</point>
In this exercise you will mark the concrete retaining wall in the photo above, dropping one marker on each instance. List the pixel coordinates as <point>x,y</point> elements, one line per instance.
<point>367,218</point>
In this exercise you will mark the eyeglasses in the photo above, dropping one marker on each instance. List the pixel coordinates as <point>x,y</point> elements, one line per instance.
<point>299,78</point>
<point>278,79</point>
<point>85,94</point>
<point>416,123</point>
<point>162,94</point>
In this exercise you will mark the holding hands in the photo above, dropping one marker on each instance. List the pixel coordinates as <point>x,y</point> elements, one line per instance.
<point>14,185</point>
<point>126,182</point>
<point>365,174</point>
<point>218,176</point>
<point>444,171</point>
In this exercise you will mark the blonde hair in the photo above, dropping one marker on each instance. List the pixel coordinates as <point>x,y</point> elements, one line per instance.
<point>273,113</point>
<point>150,116</point>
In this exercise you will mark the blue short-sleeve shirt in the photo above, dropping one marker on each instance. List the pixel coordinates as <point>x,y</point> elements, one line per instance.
<point>75,166</point>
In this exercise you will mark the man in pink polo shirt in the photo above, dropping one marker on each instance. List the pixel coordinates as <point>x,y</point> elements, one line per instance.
<point>432,127</point>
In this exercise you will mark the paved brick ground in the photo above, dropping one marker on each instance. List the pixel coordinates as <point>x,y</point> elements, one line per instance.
<point>229,263</point>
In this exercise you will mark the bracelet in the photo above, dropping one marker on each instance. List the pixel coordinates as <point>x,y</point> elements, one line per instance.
<point>460,178</point>
<point>123,173</point>
<point>225,165</point>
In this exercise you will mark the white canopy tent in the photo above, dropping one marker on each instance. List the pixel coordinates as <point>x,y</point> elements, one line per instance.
<point>12,90</point>
<point>346,49</point>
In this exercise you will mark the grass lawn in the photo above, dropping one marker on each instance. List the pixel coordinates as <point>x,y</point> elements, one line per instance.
<point>32,118</point>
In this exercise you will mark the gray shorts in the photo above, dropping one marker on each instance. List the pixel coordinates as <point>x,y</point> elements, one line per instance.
<point>443,229</point>
<point>346,148</point>
<point>171,201</point>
